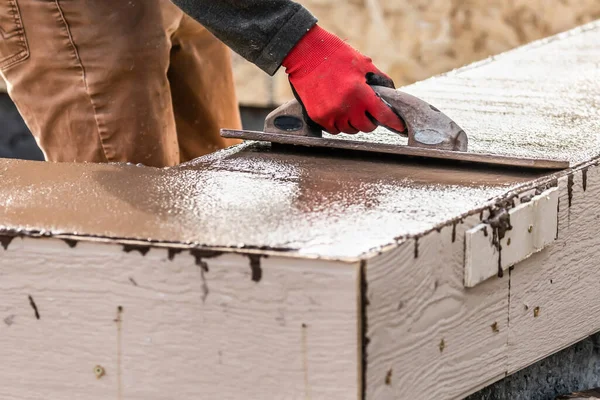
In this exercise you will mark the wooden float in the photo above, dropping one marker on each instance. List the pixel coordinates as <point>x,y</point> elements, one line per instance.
<point>260,273</point>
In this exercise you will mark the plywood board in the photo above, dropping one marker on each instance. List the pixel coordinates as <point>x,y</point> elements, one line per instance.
<point>98,321</point>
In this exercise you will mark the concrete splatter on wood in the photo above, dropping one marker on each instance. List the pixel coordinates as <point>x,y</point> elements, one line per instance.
<point>34,306</point>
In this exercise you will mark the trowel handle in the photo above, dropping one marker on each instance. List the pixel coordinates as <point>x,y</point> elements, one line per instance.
<point>426,125</point>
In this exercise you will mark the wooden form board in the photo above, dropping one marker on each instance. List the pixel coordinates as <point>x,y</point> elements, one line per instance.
<point>425,325</point>
<point>422,324</point>
<point>369,251</point>
<point>100,321</point>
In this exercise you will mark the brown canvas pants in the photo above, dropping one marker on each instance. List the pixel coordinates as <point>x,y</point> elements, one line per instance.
<point>117,80</point>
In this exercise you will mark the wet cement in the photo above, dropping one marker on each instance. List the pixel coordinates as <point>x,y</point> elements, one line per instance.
<point>327,205</point>
<point>542,100</point>
<point>539,101</point>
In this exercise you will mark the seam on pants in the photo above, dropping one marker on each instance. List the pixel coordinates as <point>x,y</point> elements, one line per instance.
<point>15,59</point>
<point>83,77</point>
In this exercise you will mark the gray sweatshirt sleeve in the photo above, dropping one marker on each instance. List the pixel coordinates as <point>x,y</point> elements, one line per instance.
<point>261,31</point>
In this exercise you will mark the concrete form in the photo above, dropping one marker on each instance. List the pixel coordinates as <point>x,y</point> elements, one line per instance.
<point>261,273</point>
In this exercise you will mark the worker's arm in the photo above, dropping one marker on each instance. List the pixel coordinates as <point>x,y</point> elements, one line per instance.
<point>262,31</point>
<point>329,77</point>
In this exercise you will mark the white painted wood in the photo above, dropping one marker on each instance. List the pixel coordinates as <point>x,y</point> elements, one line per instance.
<point>545,227</point>
<point>481,255</point>
<point>183,333</point>
<point>555,295</point>
<point>552,301</point>
<point>533,227</point>
<point>430,337</point>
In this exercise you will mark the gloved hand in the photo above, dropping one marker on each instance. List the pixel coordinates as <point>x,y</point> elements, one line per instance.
<point>331,80</point>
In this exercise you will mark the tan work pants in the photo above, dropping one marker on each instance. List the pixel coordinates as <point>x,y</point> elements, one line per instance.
<point>117,80</point>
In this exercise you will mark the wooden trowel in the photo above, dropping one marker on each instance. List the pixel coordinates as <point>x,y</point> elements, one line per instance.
<point>431,134</point>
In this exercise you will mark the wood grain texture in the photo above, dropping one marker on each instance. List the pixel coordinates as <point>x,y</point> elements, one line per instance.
<point>416,302</point>
<point>555,294</point>
<point>182,331</point>
<point>429,337</point>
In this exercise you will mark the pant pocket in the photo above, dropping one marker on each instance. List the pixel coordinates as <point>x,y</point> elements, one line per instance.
<point>13,43</point>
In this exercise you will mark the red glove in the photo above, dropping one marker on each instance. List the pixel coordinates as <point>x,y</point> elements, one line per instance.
<point>331,80</point>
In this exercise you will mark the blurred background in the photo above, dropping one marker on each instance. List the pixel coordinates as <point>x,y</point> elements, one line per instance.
<point>409,39</point>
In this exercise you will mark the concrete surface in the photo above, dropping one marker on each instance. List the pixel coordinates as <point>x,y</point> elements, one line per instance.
<point>251,196</point>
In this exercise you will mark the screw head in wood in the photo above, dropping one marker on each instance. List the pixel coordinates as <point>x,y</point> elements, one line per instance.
<point>99,371</point>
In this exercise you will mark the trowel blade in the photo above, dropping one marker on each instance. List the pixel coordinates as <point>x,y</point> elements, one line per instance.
<point>343,144</point>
